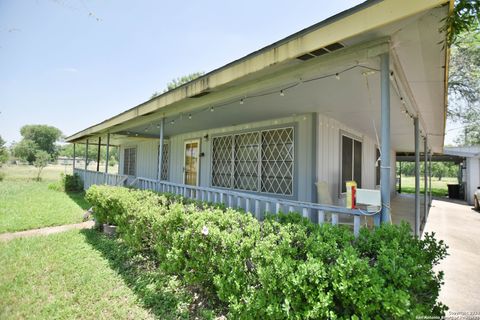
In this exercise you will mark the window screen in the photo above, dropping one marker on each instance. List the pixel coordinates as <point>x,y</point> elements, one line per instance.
<point>351,165</point>
<point>130,161</point>
<point>261,161</point>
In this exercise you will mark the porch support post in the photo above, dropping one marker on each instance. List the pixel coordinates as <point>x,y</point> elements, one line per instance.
<point>86,155</point>
<point>425,177</point>
<point>160,150</point>
<point>385,137</point>
<point>430,179</point>
<point>74,158</point>
<point>107,153</point>
<point>400,179</point>
<point>98,153</point>
<point>417,176</point>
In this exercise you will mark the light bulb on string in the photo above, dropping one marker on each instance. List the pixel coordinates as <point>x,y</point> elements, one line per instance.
<point>190,116</point>
<point>337,76</point>
<point>282,93</point>
<point>241,101</point>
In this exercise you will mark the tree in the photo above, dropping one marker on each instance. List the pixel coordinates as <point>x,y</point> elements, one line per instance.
<point>179,81</point>
<point>25,150</point>
<point>462,27</point>
<point>3,152</point>
<point>464,18</point>
<point>41,161</point>
<point>67,151</point>
<point>44,137</point>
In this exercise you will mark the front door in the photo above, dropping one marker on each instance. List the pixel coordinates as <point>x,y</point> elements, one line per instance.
<point>191,162</point>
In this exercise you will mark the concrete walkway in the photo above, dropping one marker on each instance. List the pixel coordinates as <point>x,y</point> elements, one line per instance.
<point>45,231</point>
<point>459,226</point>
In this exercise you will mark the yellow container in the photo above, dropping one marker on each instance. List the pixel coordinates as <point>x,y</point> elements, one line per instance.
<point>351,194</point>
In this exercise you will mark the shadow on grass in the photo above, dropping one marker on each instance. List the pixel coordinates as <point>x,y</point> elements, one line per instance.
<point>79,199</point>
<point>163,295</point>
<point>436,192</point>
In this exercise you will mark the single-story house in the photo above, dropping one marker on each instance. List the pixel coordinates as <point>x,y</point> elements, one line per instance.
<point>470,168</point>
<point>285,127</point>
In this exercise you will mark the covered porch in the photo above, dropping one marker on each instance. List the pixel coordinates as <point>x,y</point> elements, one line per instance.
<point>264,139</point>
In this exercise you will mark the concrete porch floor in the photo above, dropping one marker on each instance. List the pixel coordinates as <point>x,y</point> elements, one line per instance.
<point>403,208</point>
<point>459,226</point>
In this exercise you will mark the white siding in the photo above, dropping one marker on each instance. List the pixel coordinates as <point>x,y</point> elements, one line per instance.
<point>328,156</point>
<point>472,178</point>
<point>147,158</point>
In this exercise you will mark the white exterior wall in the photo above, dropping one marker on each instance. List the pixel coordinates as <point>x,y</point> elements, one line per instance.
<point>472,178</point>
<point>147,158</point>
<point>328,157</point>
<point>316,129</point>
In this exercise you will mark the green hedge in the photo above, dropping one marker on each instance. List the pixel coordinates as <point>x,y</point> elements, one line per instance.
<point>283,267</point>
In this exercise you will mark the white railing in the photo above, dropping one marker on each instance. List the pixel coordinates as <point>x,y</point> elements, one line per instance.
<point>256,204</point>
<point>95,177</point>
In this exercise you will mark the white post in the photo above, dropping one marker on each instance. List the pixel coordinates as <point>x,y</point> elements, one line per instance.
<point>107,153</point>
<point>160,151</point>
<point>417,177</point>
<point>385,137</point>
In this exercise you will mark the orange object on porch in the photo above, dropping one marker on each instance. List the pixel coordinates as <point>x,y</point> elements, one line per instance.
<point>351,194</point>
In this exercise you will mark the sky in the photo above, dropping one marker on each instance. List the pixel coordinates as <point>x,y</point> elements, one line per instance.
<point>74,63</point>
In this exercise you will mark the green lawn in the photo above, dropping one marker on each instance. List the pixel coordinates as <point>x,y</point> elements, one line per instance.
<point>27,204</point>
<point>85,275</point>
<point>439,187</point>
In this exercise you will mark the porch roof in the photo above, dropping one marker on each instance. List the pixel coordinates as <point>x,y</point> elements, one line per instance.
<point>276,65</point>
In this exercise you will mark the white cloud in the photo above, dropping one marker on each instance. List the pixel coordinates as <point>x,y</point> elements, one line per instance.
<point>69,69</point>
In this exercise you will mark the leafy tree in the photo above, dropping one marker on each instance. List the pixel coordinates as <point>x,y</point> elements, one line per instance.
<point>179,81</point>
<point>41,161</point>
<point>67,151</point>
<point>463,27</point>
<point>3,152</point>
<point>465,17</point>
<point>44,136</point>
<point>25,150</point>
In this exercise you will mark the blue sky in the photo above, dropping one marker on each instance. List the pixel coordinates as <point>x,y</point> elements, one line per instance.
<point>73,63</point>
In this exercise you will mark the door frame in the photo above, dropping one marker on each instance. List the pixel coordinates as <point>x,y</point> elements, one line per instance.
<point>198,141</point>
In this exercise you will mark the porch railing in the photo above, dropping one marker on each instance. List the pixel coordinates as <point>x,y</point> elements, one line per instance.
<point>95,177</point>
<point>257,204</point>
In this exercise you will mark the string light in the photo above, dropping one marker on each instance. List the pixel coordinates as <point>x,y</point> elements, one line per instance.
<point>280,91</point>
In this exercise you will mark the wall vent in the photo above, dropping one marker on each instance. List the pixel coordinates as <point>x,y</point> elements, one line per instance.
<point>321,51</point>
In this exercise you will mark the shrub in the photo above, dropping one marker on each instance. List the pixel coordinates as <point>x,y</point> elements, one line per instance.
<point>2,176</point>
<point>68,183</point>
<point>283,267</point>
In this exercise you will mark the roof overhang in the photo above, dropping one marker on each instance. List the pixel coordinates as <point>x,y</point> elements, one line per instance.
<point>272,60</point>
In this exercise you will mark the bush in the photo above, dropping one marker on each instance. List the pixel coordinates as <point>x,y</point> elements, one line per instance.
<point>283,267</point>
<point>68,183</point>
<point>2,176</point>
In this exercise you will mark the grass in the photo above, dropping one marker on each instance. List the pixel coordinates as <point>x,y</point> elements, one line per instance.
<point>27,204</point>
<point>439,187</point>
<point>85,275</point>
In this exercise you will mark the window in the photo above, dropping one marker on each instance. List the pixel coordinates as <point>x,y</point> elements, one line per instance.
<point>130,161</point>
<point>351,165</point>
<point>164,161</point>
<point>260,161</point>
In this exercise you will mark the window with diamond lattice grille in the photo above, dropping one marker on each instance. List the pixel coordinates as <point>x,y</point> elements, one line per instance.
<point>165,161</point>
<point>261,161</point>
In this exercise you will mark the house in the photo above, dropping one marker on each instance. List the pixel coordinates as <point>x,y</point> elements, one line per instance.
<point>329,104</point>
<point>470,168</point>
